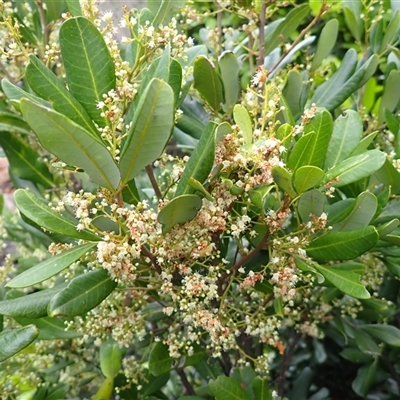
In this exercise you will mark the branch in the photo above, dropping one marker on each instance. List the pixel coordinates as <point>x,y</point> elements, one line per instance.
<point>154,184</point>
<point>299,38</point>
<point>188,387</point>
<point>147,253</point>
<point>43,22</point>
<point>261,35</point>
<point>286,363</point>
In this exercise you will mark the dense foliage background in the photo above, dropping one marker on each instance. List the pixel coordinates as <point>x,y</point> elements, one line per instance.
<point>206,200</point>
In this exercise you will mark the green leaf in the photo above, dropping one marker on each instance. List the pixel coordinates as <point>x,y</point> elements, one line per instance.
<point>46,85</point>
<point>72,144</point>
<point>392,31</point>
<point>151,128</point>
<point>346,135</point>
<point>343,245</point>
<point>307,177</point>
<point>14,340</point>
<point>49,267</point>
<point>352,12</point>
<point>110,359</point>
<point>179,210</point>
<point>159,359</point>
<point>50,328</point>
<point>299,154</point>
<point>311,203</point>
<point>130,193</point>
<point>285,28</point>
<point>15,94</point>
<point>88,64</point>
<point>258,195</point>
<point>346,281</point>
<point>40,213</point>
<point>82,294</point>
<point>25,162</point>
<point>12,122</point>
<point>208,82</point>
<point>224,388</point>
<point>293,92</point>
<point>105,390</point>
<point>283,179</point>
<point>242,118</point>
<point>386,333</point>
<point>164,11</point>
<point>30,306</point>
<point>391,96</point>
<point>326,42</point>
<point>363,210</point>
<point>200,162</point>
<point>355,168</point>
<point>364,143</point>
<point>261,389</point>
<point>229,71</point>
<point>332,93</point>
<point>74,7</point>
<point>175,79</point>
<point>366,376</point>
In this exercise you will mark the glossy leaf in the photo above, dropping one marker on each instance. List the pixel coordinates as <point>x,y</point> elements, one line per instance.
<point>12,341</point>
<point>25,162</point>
<point>110,359</point>
<point>326,42</point>
<point>365,378</point>
<point>258,195</point>
<point>164,10</point>
<point>307,177</point>
<point>74,7</point>
<point>15,94</point>
<point>46,85</point>
<point>355,168</point>
<point>391,96</point>
<point>285,28</point>
<point>200,162</point>
<point>386,333</point>
<point>283,179</point>
<point>229,71</point>
<point>40,213</point>
<point>242,118</point>
<point>299,155</point>
<point>293,92</point>
<point>346,281</point>
<point>50,328</point>
<point>82,294</point>
<point>72,144</point>
<point>224,388</point>
<point>364,144</point>
<point>311,203</point>
<point>208,82</point>
<point>159,360</point>
<point>88,64</point>
<point>49,267</point>
<point>391,32</point>
<point>13,122</point>
<point>343,245</point>
<point>29,306</point>
<point>352,14</point>
<point>175,79</point>
<point>105,390</point>
<point>130,193</point>
<point>151,128</point>
<point>346,135</point>
<point>261,389</point>
<point>179,210</point>
<point>363,210</point>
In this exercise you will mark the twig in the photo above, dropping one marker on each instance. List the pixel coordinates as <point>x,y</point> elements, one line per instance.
<point>286,363</point>
<point>43,21</point>
<point>154,184</point>
<point>153,260</point>
<point>261,36</point>
<point>301,36</point>
<point>219,24</point>
<point>188,387</point>
<point>243,260</point>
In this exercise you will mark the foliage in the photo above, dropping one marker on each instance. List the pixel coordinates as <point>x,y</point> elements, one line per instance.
<point>207,209</point>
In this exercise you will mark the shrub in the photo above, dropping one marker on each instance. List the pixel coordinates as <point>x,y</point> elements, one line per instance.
<point>207,209</point>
